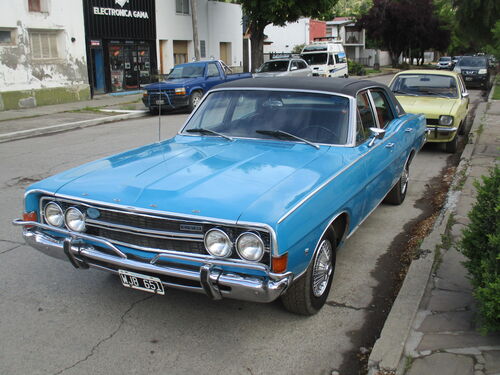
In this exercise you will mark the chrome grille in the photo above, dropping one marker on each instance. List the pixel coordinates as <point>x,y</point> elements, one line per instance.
<point>148,232</point>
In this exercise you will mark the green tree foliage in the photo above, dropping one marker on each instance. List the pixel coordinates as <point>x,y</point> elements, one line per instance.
<point>494,48</point>
<point>476,19</point>
<point>298,48</point>
<point>481,245</point>
<point>352,8</point>
<point>261,13</point>
<point>405,25</point>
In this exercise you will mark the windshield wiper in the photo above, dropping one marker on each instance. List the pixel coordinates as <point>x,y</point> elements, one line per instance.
<point>208,131</point>
<point>434,93</point>
<point>281,133</point>
<point>404,92</point>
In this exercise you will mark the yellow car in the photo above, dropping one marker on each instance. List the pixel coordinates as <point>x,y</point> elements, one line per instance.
<point>441,96</point>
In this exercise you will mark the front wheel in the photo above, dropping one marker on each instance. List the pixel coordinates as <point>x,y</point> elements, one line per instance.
<point>308,294</point>
<point>194,100</point>
<point>451,147</point>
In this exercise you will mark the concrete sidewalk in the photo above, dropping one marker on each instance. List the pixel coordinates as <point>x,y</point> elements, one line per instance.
<point>29,122</point>
<point>433,330</point>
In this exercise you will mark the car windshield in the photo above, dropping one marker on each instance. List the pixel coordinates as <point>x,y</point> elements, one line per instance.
<point>476,62</point>
<point>274,66</point>
<point>187,71</point>
<point>425,85</point>
<point>315,58</point>
<point>445,59</point>
<point>267,114</point>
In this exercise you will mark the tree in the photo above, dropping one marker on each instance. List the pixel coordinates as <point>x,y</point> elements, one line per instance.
<point>405,25</point>
<point>261,13</point>
<point>477,19</point>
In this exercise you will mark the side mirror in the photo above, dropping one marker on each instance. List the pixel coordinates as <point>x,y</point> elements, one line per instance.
<point>465,95</point>
<point>376,133</point>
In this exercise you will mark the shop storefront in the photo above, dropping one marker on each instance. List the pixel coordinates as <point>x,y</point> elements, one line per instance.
<point>121,44</point>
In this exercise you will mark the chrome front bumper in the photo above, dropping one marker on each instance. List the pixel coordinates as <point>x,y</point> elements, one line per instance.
<point>211,279</point>
<point>441,129</point>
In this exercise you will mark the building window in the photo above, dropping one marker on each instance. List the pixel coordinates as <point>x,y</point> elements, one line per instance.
<point>34,5</point>
<point>44,45</point>
<point>6,37</point>
<point>203,50</point>
<point>182,6</point>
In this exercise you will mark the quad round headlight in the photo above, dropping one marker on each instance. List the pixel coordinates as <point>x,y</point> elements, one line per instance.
<point>217,243</point>
<point>250,246</point>
<point>53,214</point>
<point>74,219</point>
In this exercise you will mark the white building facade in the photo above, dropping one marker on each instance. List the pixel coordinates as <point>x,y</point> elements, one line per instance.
<point>219,31</point>
<point>42,53</point>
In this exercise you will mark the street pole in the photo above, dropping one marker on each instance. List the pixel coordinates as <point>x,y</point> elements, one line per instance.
<point>194,17</point>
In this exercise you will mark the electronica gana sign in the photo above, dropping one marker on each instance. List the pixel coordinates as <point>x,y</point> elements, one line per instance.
<point>100,11</point>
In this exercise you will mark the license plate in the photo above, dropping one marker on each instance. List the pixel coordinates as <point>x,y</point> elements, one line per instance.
<point>468,78</point>
<point>161,101</point>
<point>142,282</point>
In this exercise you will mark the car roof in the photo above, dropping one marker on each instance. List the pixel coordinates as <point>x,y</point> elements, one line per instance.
<point>346,86</point>
<point>429,71</point>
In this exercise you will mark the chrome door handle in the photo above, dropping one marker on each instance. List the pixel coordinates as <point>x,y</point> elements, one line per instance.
<point>389,145</point>
<point>409,130</point>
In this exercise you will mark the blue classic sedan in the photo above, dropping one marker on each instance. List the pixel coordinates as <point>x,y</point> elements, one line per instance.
<point>250,200</point>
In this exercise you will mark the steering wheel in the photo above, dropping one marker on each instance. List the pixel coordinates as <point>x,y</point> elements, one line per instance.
<point>323,128</point>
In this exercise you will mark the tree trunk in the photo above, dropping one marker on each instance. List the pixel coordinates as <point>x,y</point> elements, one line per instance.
<point>194,17</point>
<point>257,45</point>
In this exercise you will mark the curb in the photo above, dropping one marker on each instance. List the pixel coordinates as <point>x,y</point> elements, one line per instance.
<point>388,350</point>
<point>67,126</point>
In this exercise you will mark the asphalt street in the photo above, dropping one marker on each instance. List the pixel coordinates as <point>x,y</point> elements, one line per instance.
<point>55,319</point>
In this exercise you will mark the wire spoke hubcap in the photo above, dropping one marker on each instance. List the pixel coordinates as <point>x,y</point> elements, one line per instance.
<point>322,268</point>
<point>404,180</point>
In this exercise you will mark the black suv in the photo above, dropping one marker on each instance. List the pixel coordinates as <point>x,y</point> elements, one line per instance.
<point>475,70</point>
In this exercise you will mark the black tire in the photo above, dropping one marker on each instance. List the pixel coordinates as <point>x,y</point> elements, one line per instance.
<point>463,126</point>
<point>452,146</point>
<point>302,297</point>
<point>194,100</point>
<point>397,194</point>
<point>153,111</point>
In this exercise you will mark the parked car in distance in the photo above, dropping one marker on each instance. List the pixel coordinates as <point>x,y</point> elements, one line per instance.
<point>186,84</point>
<point>455,59</point>
<point>284,68</point>
<point>440,96</point>
<point>250,200</point>
<point>476,71</point>
<point>445,62</point>
<point>326,57</point>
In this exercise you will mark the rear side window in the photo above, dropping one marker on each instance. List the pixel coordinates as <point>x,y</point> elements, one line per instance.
<point>365,112</point>
<point>301,64</point>
<point>212,70</point>
<point>382,108</point>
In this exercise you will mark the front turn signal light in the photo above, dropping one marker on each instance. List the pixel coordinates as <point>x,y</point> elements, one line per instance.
<point>29,216</point>
<point>280,263</point>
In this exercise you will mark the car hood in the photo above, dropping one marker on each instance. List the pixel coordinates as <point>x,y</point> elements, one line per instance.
<point>171,83</point>
<point>431,107</point>
<point>204,176</point>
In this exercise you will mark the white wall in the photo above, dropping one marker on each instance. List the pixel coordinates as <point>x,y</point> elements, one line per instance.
<point>18,71</point>
<point>286,37</point>
<point>217,22</point>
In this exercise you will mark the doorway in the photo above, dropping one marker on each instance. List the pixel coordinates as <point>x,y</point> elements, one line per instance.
<point>99,84</point>
<point>180,52</point>
<point>225,52</point>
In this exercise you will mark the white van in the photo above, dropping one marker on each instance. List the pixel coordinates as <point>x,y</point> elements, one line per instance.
<point>326,58</point>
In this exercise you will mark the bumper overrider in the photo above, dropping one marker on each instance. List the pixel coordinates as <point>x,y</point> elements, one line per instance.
<point>211,279</point>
